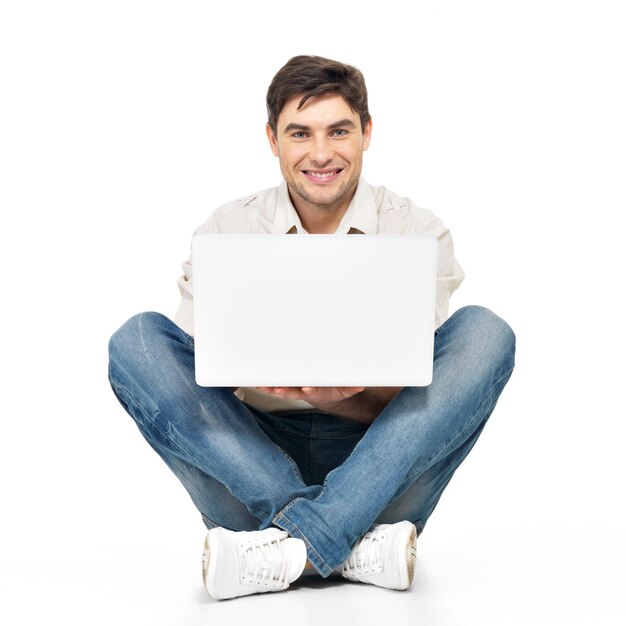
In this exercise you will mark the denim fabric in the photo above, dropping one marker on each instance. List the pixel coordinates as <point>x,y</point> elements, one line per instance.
<point>323,478</point>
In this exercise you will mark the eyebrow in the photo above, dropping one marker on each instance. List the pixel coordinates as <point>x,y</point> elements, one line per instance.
<point>346,123</point>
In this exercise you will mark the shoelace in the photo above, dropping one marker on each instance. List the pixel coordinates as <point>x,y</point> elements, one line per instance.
<point>265,562</point>
<point>366,556</point>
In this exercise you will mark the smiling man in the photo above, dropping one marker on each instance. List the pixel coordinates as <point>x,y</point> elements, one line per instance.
<point>341,479</point>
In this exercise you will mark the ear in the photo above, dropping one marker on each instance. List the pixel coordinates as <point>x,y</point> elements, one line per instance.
<point>271,137</point>
<point>367,135</point>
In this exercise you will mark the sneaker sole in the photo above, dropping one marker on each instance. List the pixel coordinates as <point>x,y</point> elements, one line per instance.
<point>206,558</point>
<point>411,553</point>
<point>210,555</point>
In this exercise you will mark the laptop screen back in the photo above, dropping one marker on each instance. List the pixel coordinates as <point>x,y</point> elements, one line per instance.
<point>314,310</point>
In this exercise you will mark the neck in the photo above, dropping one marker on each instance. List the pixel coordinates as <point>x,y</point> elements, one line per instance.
<point>320,219</point>
<point>319,224</point>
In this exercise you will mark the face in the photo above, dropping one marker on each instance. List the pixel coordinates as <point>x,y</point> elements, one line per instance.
<point>320,148</point>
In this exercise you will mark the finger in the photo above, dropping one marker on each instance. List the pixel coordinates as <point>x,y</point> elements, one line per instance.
<point>271,390</point>
<point>293,393</point>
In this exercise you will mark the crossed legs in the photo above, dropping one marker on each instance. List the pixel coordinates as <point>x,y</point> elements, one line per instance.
<point>225,452</point>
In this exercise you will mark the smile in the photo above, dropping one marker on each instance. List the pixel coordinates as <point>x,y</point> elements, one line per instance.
<point>322,176</point>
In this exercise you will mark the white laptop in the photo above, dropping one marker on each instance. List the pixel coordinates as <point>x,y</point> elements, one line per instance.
<point>314,310</point>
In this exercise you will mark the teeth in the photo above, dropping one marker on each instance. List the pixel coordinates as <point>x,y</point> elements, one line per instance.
<point>322,174</point>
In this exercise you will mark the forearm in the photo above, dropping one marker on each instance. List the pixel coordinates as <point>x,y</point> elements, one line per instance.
<point>367,405</point>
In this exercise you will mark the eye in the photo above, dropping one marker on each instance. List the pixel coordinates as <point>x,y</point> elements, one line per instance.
<point>299,134</point>
<point>340,132</point>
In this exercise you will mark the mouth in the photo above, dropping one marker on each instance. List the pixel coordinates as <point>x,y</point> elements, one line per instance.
<point>322,177</point>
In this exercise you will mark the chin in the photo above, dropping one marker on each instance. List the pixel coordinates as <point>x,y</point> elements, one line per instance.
<point>329,197</point>
<point>325,200</point>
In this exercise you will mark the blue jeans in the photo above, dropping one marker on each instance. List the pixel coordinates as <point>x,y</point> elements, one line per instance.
<point>320,477</point>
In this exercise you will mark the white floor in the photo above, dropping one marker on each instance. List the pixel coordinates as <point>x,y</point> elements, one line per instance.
<point>471,579</point>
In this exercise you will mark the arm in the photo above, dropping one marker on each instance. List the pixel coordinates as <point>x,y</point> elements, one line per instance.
<point>368,404</point>
<point>361,404</point>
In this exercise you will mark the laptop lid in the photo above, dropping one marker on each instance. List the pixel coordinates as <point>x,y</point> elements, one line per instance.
<point>314,310</point>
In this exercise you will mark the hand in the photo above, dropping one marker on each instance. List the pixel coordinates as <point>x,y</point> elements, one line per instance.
<point>324,398</point>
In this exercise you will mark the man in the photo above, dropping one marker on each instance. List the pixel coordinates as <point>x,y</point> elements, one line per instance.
<point>345,478</point>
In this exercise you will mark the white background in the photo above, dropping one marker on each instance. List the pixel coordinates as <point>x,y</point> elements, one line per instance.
<point>124,124</point>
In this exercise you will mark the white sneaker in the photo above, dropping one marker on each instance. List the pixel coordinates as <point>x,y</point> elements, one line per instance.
<point>242,563</point>
<point>384,557</point>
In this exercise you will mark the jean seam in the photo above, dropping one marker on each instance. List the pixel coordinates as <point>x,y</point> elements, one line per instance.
<point>292,463</point>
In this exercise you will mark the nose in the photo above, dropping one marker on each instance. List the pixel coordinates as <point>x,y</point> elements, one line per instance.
<point>321,152</point>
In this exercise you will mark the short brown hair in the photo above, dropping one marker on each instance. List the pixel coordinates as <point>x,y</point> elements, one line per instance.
<point>312,76</point>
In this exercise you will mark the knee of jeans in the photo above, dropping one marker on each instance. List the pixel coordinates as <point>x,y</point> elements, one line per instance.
<point>494,331</point>
<point>134,332</point>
